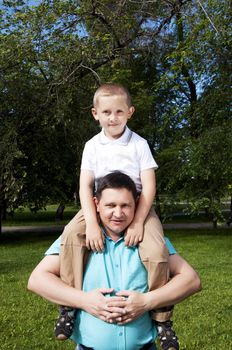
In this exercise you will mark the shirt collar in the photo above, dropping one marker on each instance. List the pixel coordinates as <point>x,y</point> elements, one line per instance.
<point>109,238</point>
<point>123,140</point>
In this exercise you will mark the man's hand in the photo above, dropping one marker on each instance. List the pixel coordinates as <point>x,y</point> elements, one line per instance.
<point>134,234</point>
<point>134,306</point>
<point>94,238</point>
<point>97,304</point>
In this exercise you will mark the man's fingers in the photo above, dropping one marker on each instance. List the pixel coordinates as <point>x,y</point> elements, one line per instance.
<point>125,318</point>
<point>125,293</point>
<point>117,303</point>
<point>114,299</point>
<point>110,317</point>
<point>122,322</point>
<point>117,310</point>
<point>106,291</point>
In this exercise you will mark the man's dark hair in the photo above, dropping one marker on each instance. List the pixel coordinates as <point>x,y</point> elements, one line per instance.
<point>116,180</point>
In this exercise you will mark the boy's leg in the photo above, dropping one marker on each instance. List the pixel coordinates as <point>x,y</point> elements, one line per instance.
<point>154,255</point>
<point>73,253</point>
<point>73,259</point>
<point>153,252</point>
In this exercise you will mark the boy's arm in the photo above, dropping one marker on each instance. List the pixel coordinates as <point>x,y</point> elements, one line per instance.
<point>94,236</point>
<point>134,233</point>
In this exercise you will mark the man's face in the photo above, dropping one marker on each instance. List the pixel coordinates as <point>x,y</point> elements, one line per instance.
<point>116,208</point>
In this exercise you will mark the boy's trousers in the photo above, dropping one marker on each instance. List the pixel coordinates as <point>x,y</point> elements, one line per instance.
<point>152,250</point>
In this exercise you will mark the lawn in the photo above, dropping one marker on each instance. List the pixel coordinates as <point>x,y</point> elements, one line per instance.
<point>202,321</point>
<point>23,216</point>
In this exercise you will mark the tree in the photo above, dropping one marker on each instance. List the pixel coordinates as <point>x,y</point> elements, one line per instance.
<point>54,55</point>
<point>199,164</point>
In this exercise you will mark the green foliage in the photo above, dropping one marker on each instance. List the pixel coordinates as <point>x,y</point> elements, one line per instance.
<point>173,56</point>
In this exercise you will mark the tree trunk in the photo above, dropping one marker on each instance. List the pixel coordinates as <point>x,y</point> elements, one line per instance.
<point>0,220</point>
<point>229,221</point>
<point>4,209</point>
<point>215,223</point>
<point>60,212</point>
<point>192,93</point>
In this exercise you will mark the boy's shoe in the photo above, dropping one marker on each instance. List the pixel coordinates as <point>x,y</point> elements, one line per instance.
<point>167,336</point>
<point>65,323</point>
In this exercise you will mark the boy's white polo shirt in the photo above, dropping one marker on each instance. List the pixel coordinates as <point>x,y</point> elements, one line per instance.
<point>129,154</point>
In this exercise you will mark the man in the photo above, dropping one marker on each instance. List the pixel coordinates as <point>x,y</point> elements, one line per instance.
<point>114,303</point>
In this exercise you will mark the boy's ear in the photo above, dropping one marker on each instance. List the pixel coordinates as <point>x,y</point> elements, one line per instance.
<point>94,113</point>
<point>131,111</point>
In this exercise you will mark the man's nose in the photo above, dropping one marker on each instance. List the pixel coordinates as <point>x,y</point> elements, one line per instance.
<point>118,212</point>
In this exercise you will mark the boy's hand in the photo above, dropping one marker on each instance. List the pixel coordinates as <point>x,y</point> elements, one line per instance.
<point>94,238</point>
<point>134,234</point>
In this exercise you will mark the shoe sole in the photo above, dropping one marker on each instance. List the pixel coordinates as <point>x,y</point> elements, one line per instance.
<point>63,337</point>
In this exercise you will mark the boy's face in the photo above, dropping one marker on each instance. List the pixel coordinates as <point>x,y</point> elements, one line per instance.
<point>112,112</point>
<point>116,209</point>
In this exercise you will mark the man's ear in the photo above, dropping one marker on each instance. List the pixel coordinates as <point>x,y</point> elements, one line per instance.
<point>131,111</point>
<point>96,203</point>
<point>136,201</point>
<point>94,113</point>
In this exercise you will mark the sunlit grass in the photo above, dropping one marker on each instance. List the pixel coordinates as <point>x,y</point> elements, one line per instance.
<point>202,321</point>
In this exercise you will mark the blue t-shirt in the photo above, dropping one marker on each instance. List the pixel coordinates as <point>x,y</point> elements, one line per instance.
<point>120,268</point>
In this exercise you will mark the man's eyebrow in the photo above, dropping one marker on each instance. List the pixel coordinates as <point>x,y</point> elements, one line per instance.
<point>121,204</point>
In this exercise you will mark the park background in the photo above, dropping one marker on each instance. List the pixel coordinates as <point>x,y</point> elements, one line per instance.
<point>175,58</point>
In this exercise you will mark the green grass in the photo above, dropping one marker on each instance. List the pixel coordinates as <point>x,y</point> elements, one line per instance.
<point>183,218</point>
<point>202,321</point>
<point>24,217</point>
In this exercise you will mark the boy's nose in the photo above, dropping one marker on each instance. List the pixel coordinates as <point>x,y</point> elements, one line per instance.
<point>113,116</point>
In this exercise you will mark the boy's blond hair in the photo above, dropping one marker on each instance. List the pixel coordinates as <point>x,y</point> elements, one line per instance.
<point>110,90</point>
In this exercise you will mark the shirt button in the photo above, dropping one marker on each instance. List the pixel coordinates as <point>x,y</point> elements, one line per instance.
<point>120,333</point>
<point>116,265</point>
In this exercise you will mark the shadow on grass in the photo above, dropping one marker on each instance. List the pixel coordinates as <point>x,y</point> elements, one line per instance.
<point>29,237</point>
<point>48,234</point>
<point>199,232</point>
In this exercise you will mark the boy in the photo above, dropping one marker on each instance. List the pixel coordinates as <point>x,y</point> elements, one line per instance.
<point>116,147</point>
